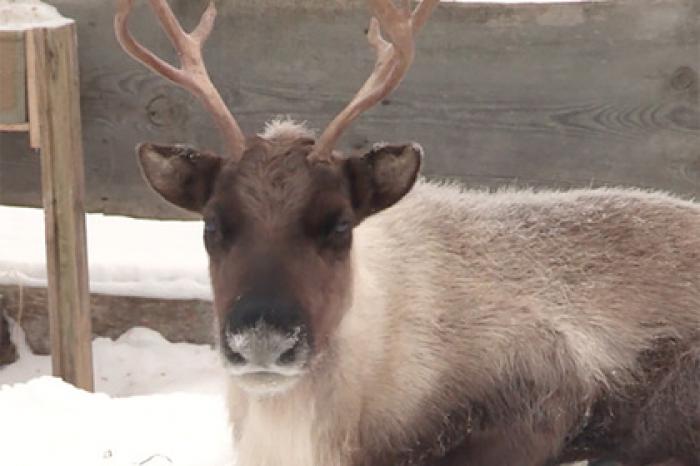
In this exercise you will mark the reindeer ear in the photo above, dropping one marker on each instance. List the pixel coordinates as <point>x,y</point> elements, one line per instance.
<point>383,176</point>
<point>182,175</point>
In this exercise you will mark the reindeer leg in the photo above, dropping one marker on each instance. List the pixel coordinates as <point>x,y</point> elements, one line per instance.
<point>502,448</point>
<point>669,423</point>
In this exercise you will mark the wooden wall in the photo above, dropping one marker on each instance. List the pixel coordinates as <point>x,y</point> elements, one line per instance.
<point>541,95</point>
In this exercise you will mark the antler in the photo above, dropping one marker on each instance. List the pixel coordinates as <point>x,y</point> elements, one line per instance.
<point>192,75</point>
<point>394,57</point>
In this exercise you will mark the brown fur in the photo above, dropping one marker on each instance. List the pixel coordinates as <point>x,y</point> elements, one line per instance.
<point>275,231</point>
<point>459,327</point>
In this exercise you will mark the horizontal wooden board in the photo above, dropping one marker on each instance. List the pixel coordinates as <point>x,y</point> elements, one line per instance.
<point>561,95</point>
<point>188,321</point>
<point>13,108</point>
<point>14,127</point>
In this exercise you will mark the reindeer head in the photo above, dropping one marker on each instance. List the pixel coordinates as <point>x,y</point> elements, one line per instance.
<point>279,209</point>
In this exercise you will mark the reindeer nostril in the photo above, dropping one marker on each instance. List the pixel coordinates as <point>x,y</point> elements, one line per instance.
<point>288,356</point>
<point>235,357</point>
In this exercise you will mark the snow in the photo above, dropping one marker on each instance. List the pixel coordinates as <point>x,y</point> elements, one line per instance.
<point>156,403</point>
<point>127,257</point>
<point>24,14</point>
<point>48,422</point>
<point>139,362</point>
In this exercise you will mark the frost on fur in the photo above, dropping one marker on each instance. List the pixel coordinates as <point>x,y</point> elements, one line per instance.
<point>284,129</point>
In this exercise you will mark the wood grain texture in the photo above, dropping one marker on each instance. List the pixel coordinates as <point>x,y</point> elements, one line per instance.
<point>13,107</point>
<point>545,95</point>
<point>58,95</point>
<point>33,112</point>
<point>189,321</point>
<point>14,127</point>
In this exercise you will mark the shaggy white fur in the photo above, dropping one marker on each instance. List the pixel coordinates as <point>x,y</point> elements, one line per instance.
<point>284,129</point>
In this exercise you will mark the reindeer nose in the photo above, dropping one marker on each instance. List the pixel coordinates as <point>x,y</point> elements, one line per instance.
<point>265,334</point>
<point>279,313</point>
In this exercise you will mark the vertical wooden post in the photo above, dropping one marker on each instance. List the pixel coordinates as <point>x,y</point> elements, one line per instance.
<point>57,94</point>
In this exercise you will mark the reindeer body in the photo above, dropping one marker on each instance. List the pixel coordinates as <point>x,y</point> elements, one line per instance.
<point>515,328</point>
<point>366,320</point>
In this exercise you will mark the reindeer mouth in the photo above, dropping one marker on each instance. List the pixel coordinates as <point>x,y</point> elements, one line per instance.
<point>275,370</point>
<point>264,382</point>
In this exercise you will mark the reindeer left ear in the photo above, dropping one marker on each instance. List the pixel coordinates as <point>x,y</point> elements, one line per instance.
<point>180,174</point>
<point>383,176</point>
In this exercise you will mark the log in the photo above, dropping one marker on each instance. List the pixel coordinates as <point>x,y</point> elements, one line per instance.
<point>178,320</point>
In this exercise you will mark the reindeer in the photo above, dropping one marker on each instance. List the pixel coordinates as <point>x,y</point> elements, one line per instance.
<point>368,317</point>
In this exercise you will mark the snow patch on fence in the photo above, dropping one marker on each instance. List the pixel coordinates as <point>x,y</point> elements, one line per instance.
<point>127,256</point>
<point>17,15</point>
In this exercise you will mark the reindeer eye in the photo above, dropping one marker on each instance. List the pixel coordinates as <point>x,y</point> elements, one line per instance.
<point>342,226</point>
<point>218,233</point>
<point>210,226</point>
<point>186,151</point>
<point>331,229</point>
<point>213,234</point>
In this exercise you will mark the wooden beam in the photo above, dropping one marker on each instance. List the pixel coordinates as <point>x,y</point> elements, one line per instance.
<point>12,76</point>
<point>14,127</point>
<point>177,320</point>
<point>57,94</point>
<point>32,102</point>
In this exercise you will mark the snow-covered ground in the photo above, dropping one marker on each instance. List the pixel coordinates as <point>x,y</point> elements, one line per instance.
<point>156,404</point>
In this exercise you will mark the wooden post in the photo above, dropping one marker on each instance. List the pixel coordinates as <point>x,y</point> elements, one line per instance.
<point>56,89</point>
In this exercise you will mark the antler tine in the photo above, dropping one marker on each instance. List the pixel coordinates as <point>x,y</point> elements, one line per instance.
<point>192,75</point>
<point>422,13</point>
<point>394,57</point>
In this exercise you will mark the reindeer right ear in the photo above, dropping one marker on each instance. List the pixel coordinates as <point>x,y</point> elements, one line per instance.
<point>384,175</point>
<point>181,174</point>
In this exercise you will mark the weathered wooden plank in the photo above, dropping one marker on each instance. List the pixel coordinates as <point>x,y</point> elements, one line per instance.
<point>14,127</point>
<point>549,94</point>
<point>188,321</point>
<point>32,94</point>
<point>58,94</point>
<point>13,108</point>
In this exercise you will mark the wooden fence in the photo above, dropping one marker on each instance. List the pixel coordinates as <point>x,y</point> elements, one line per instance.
<point>543,95</point>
